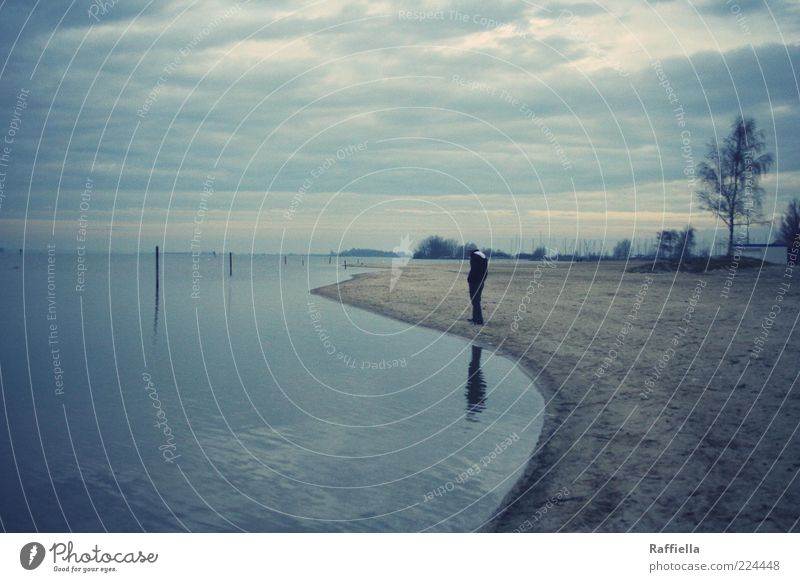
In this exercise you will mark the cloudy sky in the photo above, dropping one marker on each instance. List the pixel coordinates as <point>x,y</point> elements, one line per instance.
<point>334,124</point>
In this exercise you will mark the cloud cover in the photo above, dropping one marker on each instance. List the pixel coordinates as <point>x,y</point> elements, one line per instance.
<point>365,120</point>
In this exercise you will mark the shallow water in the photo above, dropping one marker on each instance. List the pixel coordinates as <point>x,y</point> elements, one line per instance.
<point>242,403</point>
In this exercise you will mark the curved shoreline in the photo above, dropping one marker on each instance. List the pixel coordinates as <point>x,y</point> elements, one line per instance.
<point>505,516</point>
<point>628,444</point>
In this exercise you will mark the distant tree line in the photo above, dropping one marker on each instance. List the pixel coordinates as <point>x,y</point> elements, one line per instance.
<point>537,254</point>
<point>671,245</point>
<point>676,245</point>
<point>356,252</point>
<point>789,227</point>
<point>438,247</point>
<point>729,188</point>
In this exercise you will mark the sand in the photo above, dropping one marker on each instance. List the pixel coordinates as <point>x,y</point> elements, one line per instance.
<point>671,399</point>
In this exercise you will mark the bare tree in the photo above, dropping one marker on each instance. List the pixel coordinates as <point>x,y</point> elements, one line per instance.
<point>675,245</point>
<point>684,245</point>
<point>665,243</point>
<point>789,227</point>
<point>731,174</point>
<point>622,250</point>
<point>436,247</point>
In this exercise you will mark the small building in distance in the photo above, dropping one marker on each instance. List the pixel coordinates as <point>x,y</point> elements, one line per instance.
<point>769,253</point>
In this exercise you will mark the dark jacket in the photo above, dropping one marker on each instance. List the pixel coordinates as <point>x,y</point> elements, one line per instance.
<point>478,267</point>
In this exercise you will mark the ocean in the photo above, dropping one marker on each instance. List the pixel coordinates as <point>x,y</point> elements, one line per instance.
<point>218,402</point>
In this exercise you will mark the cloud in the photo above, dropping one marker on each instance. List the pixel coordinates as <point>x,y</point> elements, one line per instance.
<point>501,99</point>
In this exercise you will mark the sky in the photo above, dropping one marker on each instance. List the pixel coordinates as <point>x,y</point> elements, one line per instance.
<point>272,126</point>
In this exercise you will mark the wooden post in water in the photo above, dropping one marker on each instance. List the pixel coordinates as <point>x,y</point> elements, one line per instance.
<point>345,264</point>
<point>284,259</point>
<point>329,259</point>
<point>230,264</point>
<point>157,269</point>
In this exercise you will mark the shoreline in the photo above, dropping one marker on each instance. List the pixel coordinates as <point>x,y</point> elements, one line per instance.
<point>537,377</point>
<point>614,453</point>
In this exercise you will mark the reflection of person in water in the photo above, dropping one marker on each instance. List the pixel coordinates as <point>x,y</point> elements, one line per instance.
<point>476,386</point>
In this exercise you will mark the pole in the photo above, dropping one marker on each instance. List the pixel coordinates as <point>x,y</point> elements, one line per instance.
<point>230,264</point>
<point>157,269</point>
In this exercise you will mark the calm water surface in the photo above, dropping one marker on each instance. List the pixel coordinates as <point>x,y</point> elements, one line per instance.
<point>222,403</point>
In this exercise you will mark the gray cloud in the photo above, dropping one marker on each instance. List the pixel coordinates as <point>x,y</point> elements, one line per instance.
<point>446,105</point>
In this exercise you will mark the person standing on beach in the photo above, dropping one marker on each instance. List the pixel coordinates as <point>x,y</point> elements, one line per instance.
<point>478,269</point>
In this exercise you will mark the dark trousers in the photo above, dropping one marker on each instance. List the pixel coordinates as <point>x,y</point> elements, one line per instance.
<point>475,292</point>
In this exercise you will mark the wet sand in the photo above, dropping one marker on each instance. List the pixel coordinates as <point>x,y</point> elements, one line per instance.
<point>672,399</point>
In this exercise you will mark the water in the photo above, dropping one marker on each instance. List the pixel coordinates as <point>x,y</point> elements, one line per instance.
<point>241,403</point>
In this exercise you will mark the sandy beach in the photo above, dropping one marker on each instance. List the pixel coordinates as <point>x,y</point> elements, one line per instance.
<point>671,398</point>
